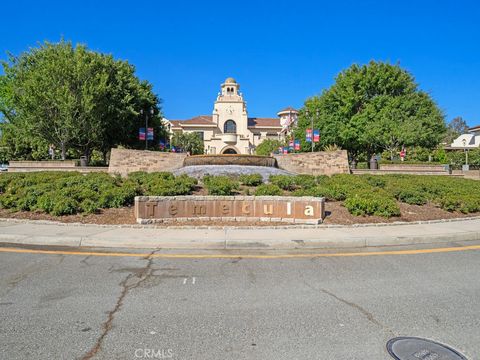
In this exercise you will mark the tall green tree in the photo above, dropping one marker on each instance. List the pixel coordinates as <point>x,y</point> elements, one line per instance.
<point>188,142</point>
<point>373,108</point>
<point>268,146</point>
<point>75,98</point>
<point>456,127</point>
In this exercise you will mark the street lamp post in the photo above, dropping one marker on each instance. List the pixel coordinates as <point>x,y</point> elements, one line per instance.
<point>311,124</point>
<point>146,124</point>
<point>465,150</point>
<point>317,113</point>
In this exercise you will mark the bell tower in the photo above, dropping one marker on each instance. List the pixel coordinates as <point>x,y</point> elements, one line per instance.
<point>230,110</point>
<point>230,88</point>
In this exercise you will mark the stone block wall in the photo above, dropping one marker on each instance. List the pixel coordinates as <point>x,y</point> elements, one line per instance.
<point>316,163</point>
<point>125,161</point>
<point>414,167</point>
<point>51,165</point>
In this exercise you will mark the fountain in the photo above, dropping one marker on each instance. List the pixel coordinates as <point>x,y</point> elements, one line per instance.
<point>230,165</point>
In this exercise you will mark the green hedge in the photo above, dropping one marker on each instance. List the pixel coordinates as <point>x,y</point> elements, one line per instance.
<point>70,193</point>
<point>251,179</point>
<point>65,193</point>
<point>372,204</point>
<point>220,185</point>
<point>268,190</point>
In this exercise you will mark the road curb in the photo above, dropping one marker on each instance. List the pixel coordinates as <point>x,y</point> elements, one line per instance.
<point>215,227</point>
<point>311,237</point>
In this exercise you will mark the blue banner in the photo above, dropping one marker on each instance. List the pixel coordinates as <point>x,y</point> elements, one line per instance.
<point>150,134</point>
<point>141,134</point>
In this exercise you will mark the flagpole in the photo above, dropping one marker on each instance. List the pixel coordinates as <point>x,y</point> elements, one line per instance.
<point>312,135</point>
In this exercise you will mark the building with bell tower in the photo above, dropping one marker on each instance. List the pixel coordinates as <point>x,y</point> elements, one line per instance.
<point>229,130</point>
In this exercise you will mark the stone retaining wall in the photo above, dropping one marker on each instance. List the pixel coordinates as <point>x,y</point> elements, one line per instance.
<point>51,165</point>
<point>414,167</point>
<point>403,171</point>
<point>125,161</point>
<point>315,163</point>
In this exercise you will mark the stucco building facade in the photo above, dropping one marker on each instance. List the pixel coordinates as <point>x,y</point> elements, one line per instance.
<point>229,130</point>
<point>466,141</point>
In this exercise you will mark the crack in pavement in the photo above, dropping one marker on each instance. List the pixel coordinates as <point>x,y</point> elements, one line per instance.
<point>126,286</point>
<point>366,313</point>
<point>357,307</point>
<point>23,275</point>
<point>84,260</point>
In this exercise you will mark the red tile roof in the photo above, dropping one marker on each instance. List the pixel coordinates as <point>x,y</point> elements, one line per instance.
<point>288,109</point>
<point>263,122</point>
<point>207,120</point>
<point>197,120</point>
<point>175,123</point>
<point>474,128</point>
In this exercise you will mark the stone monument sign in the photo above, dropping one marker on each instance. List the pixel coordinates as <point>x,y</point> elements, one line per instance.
<point>304,210</point>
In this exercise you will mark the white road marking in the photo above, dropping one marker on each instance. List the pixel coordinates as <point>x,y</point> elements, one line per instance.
<point>193,280</point>
<point>184,281</point>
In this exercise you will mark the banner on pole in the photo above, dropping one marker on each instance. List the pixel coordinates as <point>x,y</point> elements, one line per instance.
<point>316,135</point>
<point>141,134</point>
<point>297,144</point>
<point>150,134</point>
<point>309,135</point>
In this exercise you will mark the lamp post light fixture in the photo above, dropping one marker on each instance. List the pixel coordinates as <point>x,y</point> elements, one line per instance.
<point>151,111</point>
<point>466,167</point>
<point>307,114</point>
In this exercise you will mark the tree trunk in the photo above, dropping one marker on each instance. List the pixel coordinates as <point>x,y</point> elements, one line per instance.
<point>87,154</point>
<point>105,153</point>
<point>64,151</point>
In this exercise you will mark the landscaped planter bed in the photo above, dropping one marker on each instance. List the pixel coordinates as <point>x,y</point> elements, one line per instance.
<point>103,199</point>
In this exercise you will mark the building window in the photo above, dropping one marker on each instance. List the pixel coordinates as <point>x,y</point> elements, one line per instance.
<point>200,134</point>
<point>230,127</point>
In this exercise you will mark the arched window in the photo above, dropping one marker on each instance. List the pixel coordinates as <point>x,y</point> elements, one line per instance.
<point>230,127</point>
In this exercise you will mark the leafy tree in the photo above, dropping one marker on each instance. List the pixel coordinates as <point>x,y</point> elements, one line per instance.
<point>6,99</point>
<point>188,142</point>
<point>75,98</point>
<point>268,146</point>
<point>372,108</point>
<point>455,128</point>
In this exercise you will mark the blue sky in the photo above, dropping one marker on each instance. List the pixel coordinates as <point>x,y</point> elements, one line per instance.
<point>281,52</point>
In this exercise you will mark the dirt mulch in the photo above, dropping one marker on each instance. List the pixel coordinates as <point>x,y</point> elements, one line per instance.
<point>107,216</point>
<point>336,214</point>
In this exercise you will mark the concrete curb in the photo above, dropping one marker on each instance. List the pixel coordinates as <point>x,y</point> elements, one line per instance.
<point>288,237</point>
<point>215,227</point>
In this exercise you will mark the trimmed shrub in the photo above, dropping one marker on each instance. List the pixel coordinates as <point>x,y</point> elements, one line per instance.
<point>64,206</point>
<point>305,181</point>
<point>251,179</point>
<point>161,184</point>
<point>284,182</point>
<point>88,206</point>
<point>411,196</point>
<point>371,204</point>
<point>375,181</point>
<point>220,185</point>
<point>68,193</point>
<point>463,203</point>
<point>268,190</point>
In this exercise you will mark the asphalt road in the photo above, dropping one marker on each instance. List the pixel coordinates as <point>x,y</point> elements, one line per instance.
<point>101,307</point>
